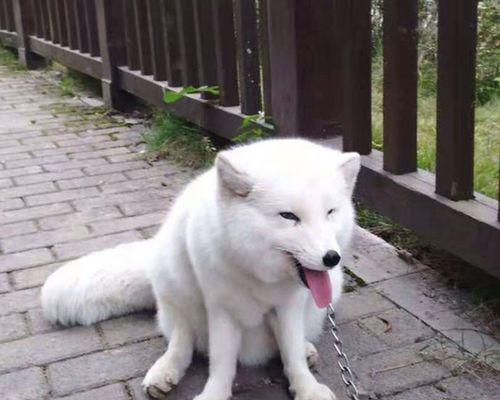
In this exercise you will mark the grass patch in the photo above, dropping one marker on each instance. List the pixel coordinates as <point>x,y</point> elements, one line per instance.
<point>8,58</point>
<point>73,83</point>
<point>179,140</point>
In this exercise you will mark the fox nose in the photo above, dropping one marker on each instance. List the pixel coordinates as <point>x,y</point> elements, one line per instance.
<point>331,258</point>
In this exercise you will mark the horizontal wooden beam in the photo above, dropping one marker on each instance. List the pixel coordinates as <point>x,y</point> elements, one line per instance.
<point>82,62</point>
<point>8,38</point>
<point>468,229</point>
<point>223,121</point>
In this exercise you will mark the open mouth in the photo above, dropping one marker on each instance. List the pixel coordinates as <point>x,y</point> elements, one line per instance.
<point>300,271</point>
<point>318,282</point>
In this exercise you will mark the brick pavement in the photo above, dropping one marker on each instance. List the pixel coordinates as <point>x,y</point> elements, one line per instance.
<point>72,181</point>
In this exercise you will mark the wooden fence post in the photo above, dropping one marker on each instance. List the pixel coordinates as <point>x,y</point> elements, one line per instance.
<point>353,32</point>
<point>400,85</point>
<point>457,36</point>
<point>112,45</point>
<point>24,17</point>
<point>301,56</point>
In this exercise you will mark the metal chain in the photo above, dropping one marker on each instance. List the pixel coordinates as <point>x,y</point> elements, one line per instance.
<point>343,361</point>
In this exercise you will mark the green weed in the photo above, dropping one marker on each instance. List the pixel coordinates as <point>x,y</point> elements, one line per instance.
<point>9,59</point>
<point>184,142</point>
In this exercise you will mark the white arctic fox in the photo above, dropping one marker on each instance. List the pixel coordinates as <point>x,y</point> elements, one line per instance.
<point>243,267</point>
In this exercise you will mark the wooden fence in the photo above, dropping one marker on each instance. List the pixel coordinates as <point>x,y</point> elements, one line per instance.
<point>307,66</point>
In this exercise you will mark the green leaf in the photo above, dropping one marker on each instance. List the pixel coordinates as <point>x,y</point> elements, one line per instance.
<point>173,97</point>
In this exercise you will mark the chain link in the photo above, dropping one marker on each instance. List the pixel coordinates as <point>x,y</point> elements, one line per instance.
<point>343,361</point>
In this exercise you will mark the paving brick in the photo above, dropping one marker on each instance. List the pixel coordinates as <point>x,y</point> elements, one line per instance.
<point>455,388</point>
<point>61,150</point>
<point>363,239</point>
<point>112,143</point>
<point>135,386</point>
<point>361,303</point>
<point>49,138</point>
<point>378,262</point>
<point>397,328</point>
<point>9,143</point>
<point>26,259</point>
<point>133,185</point>
<point>12,327</point>
<point>75,249</point>
<point>38,324</point>
<point>42,239</point>
<point>19,301</point>
<point>104,367</point>
<point>35,212</point>
<point>91,140</point>
<point>100,153</point>
<point>11,204</point>
<point>96,163</point>
<point>48,176</point>
<point>110,392</point>
<point>24,134</point>
<point>159,170</point>
<point>110,168</point>
<point>415,293</point>
<point>125,224</point>
<point>28,384</point>
<point>62,196</point>
<point>131,328</point>
<point>27,190</point>
<point>80,218</point>
<point>394,371</point>
<point>49,347</point>
<point>103,131</point>
<point>128,134</point>
<point>90,181</point>
<point>14,156</point>
<point>121,198</point>
<point>17,228</point>
<point>462,332</point>
<point>122,157</point>
<point>32,277</point>
<point>4,283</point>
<point>422,393</point>
<point>23,148</point>
<point>5,183</point>
<point>36,161</point>
<point>356,341</point>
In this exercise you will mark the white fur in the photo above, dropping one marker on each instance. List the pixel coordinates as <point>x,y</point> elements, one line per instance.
<point>221,270</point>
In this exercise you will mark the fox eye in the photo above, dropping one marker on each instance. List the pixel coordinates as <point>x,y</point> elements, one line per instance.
<point>331,211</point>
<point>289,215</point>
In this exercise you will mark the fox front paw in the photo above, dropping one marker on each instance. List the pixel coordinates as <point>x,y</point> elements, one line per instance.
<point>158,383</point>
<point>314,392</point>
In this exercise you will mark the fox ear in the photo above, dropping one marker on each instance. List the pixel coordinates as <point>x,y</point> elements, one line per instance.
<point>232,179</point>
<point>349,166</point>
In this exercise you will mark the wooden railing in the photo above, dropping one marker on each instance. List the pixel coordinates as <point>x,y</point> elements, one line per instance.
<point>307,66</point>
<point>7,23</point>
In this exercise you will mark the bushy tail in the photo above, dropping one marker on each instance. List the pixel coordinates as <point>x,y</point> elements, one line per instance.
<point>101,285</point>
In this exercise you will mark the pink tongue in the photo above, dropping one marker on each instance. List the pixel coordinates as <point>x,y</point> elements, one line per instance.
<point>320,286</point>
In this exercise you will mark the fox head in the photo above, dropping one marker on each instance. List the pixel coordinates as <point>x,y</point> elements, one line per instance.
<point>286,206</point>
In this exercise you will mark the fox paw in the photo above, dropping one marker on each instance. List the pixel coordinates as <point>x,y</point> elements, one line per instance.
<point>314,392</point>
<point>158,383</point>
